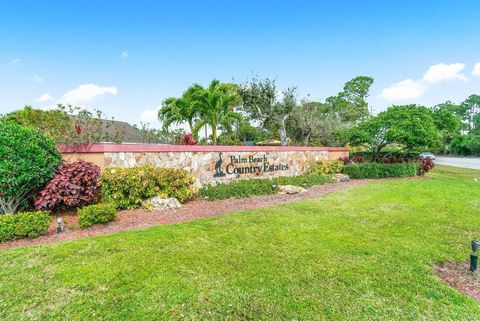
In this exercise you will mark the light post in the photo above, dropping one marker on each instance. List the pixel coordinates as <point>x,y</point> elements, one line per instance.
<point>59,225</point>
<point>474,256</point>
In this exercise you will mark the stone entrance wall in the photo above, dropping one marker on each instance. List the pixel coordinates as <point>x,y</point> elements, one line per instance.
<point>209,164</point>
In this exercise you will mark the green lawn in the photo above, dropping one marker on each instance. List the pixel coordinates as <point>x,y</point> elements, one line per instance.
<point>364,253</point>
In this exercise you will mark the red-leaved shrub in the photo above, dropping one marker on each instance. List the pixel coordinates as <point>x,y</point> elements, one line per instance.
<point>358,159</point>
<point>185,139</point>
<point>73,185</point>
<point>393,159</point>
<point>189,140</point>
<point>345,160</point>
<point>426,165</point>
<point>355,159</point>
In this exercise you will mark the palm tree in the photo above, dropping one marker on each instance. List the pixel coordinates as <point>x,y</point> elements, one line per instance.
<point>181,110</point>
<point>217,106</point>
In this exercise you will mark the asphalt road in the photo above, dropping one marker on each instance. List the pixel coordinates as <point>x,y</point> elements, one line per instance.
<point>465,162</point>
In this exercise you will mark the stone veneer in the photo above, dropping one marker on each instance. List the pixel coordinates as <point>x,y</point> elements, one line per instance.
<point>238,162</point>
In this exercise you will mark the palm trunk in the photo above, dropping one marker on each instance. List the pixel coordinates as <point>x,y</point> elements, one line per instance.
<point>192,130</point>
<point>214,134</point>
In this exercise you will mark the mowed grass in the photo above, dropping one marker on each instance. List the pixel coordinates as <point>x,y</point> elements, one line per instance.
<point>365,253</point>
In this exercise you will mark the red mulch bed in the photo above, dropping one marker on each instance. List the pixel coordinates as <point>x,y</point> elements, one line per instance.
<point>458,276</point>
<point>191,210</point>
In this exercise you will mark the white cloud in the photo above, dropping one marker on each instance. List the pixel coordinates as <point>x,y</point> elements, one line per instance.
<point>405,89</point>
<point>409,88</point>
<point>476,70</point>
<point>16,61</point>
<point>150,115</point>
<point>37,78</point>
<point>124,54</point>
<point>86,93</point>
<point>441,72</point>
<point>45,97</point>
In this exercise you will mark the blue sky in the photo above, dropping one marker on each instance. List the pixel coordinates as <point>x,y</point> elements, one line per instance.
<point>125,57</point>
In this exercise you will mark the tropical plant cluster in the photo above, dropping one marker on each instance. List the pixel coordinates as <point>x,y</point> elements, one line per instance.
<point>254,111</point>
<point>33,176</point>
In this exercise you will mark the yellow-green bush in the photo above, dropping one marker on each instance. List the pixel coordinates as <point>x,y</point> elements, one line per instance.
<point>325,167</point>
<point>127,187</point>
<point>96,214</point>
<point>20,225</point>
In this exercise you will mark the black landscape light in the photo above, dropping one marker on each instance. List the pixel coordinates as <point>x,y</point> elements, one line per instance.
<point>59,225</point>
<point>304,184</point>
<point>473,256</point>
<point>274,186</point>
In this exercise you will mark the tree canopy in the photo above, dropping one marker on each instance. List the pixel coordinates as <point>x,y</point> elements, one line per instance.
<point>409,128</point>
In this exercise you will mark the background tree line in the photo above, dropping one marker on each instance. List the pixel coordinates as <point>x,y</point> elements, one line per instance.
<point>258,112</point>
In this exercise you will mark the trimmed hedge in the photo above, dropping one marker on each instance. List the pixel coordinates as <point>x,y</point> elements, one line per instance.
<point>20,225</point>
<point>246,188</point>
<point>128,187</point>
<point>96,214</point>
<point>237,189</point>
<point>385,154</point>
<point>303,180</point>
<point>380,170</point>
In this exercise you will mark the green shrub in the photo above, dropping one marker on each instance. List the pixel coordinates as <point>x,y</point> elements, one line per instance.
<point>249,187</point>
<point>20,225</point>
<point>325,167</point>
<point>96,214</point>
<point>238,189</point>
<point>127,187</point>
<point>304,180</point>
<point>380,170</point>
<point>474,145</point>
<point>28,160</point>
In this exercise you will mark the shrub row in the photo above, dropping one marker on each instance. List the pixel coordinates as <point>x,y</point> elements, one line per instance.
<point>380,170</point>
<point>246,188</point>
<point>20,225</point>
<point>386,154</point>
<point>389,159</point>
<point>127,187</point>
<point>96,214</point>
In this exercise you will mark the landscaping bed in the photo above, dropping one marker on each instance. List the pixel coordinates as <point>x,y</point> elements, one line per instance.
<point>458,276</point>
<point>193,209</point>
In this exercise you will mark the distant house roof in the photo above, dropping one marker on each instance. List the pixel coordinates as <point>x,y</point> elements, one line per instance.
<point>120,131</point>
